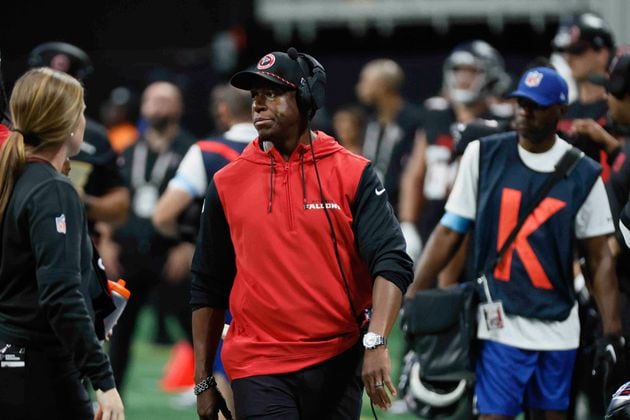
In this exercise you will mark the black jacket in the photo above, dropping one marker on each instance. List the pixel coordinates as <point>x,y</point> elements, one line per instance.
<point>47,273</point>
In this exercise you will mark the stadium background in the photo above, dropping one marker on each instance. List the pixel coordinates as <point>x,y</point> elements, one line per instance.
<point>131,42</point>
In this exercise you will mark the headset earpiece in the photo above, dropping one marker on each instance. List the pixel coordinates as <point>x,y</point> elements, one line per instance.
<point>618,86</point>
<point>311,92</point>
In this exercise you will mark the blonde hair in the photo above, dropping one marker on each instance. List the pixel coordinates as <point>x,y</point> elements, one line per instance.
<point>45,108</point>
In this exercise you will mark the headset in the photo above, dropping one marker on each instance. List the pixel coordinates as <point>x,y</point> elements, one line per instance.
<point>81,66</point>
<point>310,99</point>
<point>618,85</point>
<point>311,90</point>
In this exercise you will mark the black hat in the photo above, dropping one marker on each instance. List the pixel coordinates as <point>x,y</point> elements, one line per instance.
<point>582,32</point>
<point>276,67</point>
<point>618,81</point>
<point>63,57</point>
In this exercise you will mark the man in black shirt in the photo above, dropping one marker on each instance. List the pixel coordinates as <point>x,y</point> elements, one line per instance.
<point>588,45</point>
<point>149,259</point>
<point>94,171</point>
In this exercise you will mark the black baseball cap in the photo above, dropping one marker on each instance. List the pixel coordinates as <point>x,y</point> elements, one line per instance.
<point>61,56</point>
<point>583,31</point>
<point>276,67</point>
<point>618,81</point>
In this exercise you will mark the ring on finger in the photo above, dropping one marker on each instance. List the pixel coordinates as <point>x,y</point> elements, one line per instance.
<point>378,385</point>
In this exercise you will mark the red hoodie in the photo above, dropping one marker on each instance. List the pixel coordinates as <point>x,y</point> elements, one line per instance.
<point>288,301</point>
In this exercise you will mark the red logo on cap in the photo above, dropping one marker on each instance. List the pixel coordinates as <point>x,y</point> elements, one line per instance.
<point>533,79</point>
<point>266,62</point>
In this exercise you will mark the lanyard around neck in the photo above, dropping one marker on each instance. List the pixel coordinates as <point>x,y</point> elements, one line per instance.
<point>139,167</point>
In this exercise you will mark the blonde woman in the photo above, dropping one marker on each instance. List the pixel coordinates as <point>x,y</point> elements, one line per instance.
<point>48,340</point>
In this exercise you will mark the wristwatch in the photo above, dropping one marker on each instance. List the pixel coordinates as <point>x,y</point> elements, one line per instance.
<point>372,340</point>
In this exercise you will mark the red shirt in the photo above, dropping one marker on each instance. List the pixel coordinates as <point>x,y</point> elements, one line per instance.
<point>4,133</point>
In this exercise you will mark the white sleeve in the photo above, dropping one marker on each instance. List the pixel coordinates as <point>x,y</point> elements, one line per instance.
<point>191,174</point>
<point>625,232</point>
<point>463,198</point>
<point>594,217</point>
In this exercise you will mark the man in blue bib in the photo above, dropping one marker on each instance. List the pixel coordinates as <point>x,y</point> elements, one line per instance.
<point>529,335</point>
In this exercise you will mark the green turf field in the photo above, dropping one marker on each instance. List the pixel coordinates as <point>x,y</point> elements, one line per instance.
<point>144,399</point>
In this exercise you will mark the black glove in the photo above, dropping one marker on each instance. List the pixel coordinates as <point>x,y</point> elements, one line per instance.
<point>609,351</point>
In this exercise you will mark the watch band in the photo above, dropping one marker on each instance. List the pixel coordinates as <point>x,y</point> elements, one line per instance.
<point>204,385</point>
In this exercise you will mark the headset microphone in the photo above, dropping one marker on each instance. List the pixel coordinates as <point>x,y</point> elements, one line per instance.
<point>311,90</point>
<point>293,54</point>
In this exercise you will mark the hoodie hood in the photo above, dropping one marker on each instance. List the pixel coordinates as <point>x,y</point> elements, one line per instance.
<point>323,144</point>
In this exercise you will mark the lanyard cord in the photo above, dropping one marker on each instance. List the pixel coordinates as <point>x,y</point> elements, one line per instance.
<point>139,166</point>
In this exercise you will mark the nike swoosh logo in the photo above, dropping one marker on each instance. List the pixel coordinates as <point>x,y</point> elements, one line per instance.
<point>379,192</point>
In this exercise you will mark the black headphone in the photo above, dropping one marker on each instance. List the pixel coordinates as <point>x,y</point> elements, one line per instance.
<point>618,86</point>
<point>41,55</point>
<point>311,91</point>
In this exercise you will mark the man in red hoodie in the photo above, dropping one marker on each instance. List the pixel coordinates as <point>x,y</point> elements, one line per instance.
<point>297,237</point>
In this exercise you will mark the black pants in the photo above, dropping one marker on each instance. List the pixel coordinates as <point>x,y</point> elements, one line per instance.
<point>48,386</point>
<point>329,390</point>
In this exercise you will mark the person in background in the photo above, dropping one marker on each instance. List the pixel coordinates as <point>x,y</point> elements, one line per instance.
<point>232,108</point>
<point>588,45</point>
<point>529,343</point>
<point>333,249</point>
<point>349,125</point>
<point>615,130</point>
<point>49,334</point>
<point>178,210</point>
<point>391,128</point>
<point>94,171</point>
<point>119,114</point>
<point>149,260</point>
<point>474,77</point>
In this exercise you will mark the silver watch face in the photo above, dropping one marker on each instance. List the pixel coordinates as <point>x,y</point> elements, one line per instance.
<point>370,340</point>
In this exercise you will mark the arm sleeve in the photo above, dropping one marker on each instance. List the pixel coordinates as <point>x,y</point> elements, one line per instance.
<point>379,238</point>
<point>57,224</point>
<point>213,265</point>
<point>594,217</point>
<point>191,174</point>
<point>624,223</point>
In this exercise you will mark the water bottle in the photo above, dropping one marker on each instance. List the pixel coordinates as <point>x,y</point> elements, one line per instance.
<point>120,295</point>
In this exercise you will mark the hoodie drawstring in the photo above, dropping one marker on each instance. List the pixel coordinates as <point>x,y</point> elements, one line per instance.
<point>271,173</point>
<point>303,178</point>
